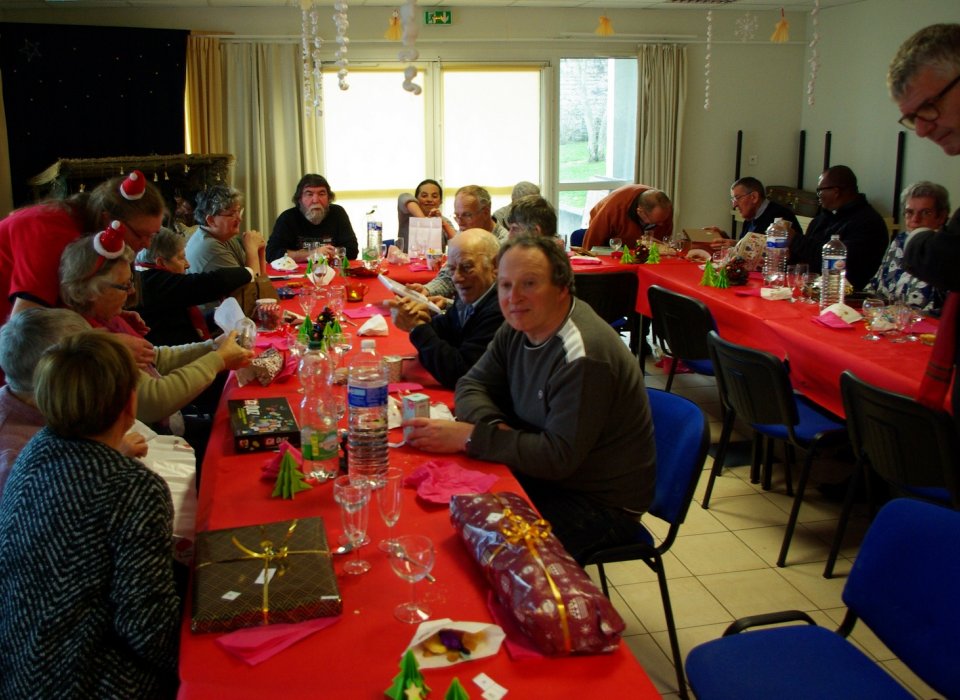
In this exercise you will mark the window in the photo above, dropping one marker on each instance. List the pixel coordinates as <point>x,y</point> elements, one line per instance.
<point>597,147</point>
<point>380,140</point>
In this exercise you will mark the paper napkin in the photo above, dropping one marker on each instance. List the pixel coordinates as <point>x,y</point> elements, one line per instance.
<point>284,264</point>
<point>376,325</point>
<point>437,480</point>
<point>256,644</point>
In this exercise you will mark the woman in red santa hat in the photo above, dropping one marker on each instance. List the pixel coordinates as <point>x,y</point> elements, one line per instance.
<point>33,238</point>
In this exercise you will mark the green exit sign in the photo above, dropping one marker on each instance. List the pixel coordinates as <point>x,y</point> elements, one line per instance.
<point>438,17</point>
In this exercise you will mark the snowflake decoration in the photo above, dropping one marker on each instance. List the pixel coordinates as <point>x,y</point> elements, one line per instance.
<point>814,60</point>
<point>747,26</point>
<point>706,62</point>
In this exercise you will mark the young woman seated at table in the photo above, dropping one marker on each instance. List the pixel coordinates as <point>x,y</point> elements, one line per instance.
<point>169,297</point>
<point>424,202</point>
<point>88,603</point>
<point>96,282</point>
<point>925,205</point>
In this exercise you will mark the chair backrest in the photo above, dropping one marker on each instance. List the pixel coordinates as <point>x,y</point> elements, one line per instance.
<point>576,238</point>
<point>911,446</point>
<point>682,322</point>
<point>682,436</point>
<point>752,383</point>
<point>903,586</point>
<point>612,295</point>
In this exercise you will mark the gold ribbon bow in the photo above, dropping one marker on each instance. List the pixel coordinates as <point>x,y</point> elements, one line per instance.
<point>515,530</point>
<point>269,554</point>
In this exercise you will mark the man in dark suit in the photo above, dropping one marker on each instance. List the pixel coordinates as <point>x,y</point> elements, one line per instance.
<point>449,344</point>
<point>748,196</point>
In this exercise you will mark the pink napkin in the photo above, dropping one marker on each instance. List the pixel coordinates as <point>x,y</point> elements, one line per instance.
<point>255,644</point>
<point>400,387</point>
<point>831,320</point>
<point>748,292</point>
<point>365,311</point>
<point>436,481</point>
<point>418,267</point>
<point>518,645</point>
<point>272,339</point>
<point>272,467</point>
<point>577,260</point>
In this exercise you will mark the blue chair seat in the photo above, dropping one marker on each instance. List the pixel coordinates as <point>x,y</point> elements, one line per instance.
<point>769,664</point>
<point>700,366</point>
<point>813,422</point>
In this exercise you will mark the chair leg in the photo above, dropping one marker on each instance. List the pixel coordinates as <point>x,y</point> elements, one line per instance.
<point>756,455</point>
<point>789,456</point>
<point>768,465</point>
<point>673,371</point>
<point>603,581</point>
<point>842,522</point>
<point>795,510</point>
<point>671,628</point>
<point>728,421</point>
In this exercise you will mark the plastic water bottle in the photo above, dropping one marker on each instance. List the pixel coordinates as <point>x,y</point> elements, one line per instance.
<point>367,412</point>
<point>775,259</point>
<point>319,441</point>
<point>833,272</point>
<point>371,253</point>
<point>316,372</point>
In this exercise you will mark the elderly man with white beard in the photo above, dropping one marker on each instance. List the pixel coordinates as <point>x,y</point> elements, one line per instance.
<point>314,219</point>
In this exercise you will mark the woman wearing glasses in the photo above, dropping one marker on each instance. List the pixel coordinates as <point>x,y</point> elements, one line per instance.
<point>218,242</point>
<point>96,281</point>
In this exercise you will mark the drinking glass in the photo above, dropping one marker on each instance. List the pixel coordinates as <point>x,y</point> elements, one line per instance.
<point>388,503</point>
<point>872,310</point>
<point>797,277</point>
<point>341,255</point>
<point>616,244</point>
<point>308,300</point>
<point>914,316</point>
<point>339,484</point>
<point>354,500</point>
<point>412,559</point>
<point>336,298</point>
<point>899,314</point>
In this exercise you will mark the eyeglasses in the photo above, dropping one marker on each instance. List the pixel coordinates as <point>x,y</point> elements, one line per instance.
<point>238,214</point>
<point>918,213</point>
<point>737,197</point>
<point>829,187</point>
<point>127,288</point>
<point>466,216</point>
<point>928,111</point>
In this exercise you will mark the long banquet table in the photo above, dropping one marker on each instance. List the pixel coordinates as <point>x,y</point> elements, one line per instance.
<point>358,656</point>
<point>817,355</point>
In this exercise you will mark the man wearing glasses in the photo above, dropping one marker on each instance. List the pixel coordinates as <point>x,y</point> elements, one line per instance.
<point>218,243</point>
<point>628,213</point>
<point>845,211</point>
<point>748,196</point>
<point>923,78</point>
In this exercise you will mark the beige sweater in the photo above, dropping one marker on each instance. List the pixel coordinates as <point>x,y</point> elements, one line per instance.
<point>185,371</point>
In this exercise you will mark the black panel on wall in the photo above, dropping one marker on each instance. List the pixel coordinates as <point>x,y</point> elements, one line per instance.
<point>86,92</point>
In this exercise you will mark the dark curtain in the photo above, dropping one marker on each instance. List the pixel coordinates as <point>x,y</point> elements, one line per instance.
<point>89,92</point>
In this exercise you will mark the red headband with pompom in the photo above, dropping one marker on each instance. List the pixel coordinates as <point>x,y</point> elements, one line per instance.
<point>133,187</point>
<point>109,244</point>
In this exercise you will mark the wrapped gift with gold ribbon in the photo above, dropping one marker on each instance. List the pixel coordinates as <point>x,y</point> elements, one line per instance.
<point>263,574</point>
<point>549,595</point>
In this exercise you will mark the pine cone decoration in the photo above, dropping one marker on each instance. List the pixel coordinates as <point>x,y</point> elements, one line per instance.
<point>737,272</point>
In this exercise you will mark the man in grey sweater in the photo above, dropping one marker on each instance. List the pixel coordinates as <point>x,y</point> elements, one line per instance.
<point>558,398</point>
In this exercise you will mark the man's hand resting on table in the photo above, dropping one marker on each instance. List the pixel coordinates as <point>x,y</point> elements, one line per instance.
<point>431,435</point>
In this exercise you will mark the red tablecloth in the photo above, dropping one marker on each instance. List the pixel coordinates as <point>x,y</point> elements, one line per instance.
<point>358,657</point>
<point>817,355</point>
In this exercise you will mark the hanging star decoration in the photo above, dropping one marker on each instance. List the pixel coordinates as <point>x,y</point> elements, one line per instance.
<point>394,30</point>
<point>781,33</point>
<point>814,53</point>
<point>706,61</point>
<point>604,27</point>
<point>30,50</point>
<point>747,26</point>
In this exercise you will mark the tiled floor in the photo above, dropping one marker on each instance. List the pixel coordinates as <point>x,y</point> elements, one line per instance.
<point>722,565</point>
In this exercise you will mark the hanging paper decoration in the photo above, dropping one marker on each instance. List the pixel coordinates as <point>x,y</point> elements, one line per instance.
<point>814,54</point>
<point>706,61</point>
<point>310,43</point>
<point>408,54</point>
<point>781,33</point>
<point>394,30</point>
<point>343,42</point>
<point>604,27</point>
<point>746,27</point>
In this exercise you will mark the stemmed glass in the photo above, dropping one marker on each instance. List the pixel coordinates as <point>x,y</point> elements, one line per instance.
<point>411,559</point>
<point>336,298</point>
<point>354,499</point>
<point>899,314</point>
<point>797,277</point>
<point>388,503</point>
<point>872,311</point>
<point>339,484</point>
<point>308,300</point>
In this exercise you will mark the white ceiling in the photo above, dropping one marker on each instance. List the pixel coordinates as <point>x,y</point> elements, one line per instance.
<point>721,5</point>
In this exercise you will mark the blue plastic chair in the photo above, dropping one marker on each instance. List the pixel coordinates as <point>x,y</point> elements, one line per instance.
<point>576,238</point>
<point>755,387</point>
<point>914,449</point>
<point>902,586</point>
<point>682,438</point>
<point>682,323</point>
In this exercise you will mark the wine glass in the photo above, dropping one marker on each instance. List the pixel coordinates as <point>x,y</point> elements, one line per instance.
<point>872,310</point>
<point>411,559</point>
<point>388,503</point>
<point>354,500</point>
<point>899,314</point>
<point>308,300</point>
<point>339,484</point>
<point>336,298</point>
<point>797,277</point>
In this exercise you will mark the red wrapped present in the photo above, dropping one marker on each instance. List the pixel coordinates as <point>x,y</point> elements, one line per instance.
<point>549,595</point>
